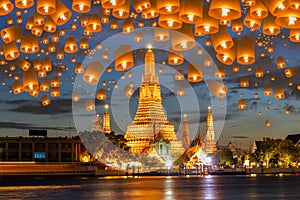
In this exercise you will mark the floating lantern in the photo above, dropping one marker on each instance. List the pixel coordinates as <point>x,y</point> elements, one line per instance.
<point>55,37</point>
<point>194,74</point>
<point>151,12</point>
<point>62,14</point>
<point>290,72</point>
<point>295,35</point>
<point>84,43</point>
<point>222,40</point>
<point>55,82</point>
<point>245,51</point>
<point>220,72</point>
<point>37,65</point>
<point>208,25</point>
<point>81,6</point>
<point>55,92</point>
<point>280,62</point>
<point>123,58</point>
<point>259,72</point>
<point>105,19</point>
<point>101,94</point>
<point>252,23</point>
<point>161,34</point>
<point>114,24</point>
<point>17,87</point>
<point>79,68</point>
<point>208,61</point>
<point>49,25</point>
<point>235,68</point>
<point>294,4</point>
<point>175,58</point>
<point>170,21</point>
<point>45,85</point>
<point>242,104</point>
<point>51,47</point>
<point>183,39</point>
<point>168,6</point>
<point>29,23</point>
<point>179,75</point>
<point>270,27</point>
<point>23,64</point>
<point>38,19</point>
<point>255,95</point>
<point>277,7</point>
<point>228,56</point>
<point>60,54</point>
<point>42,73</point>
<point>191,11</point>
<point>94,23</point>
<point>46,7</point>
<point>237,25</point>
<point>23,4</point>
<point>270,48</point>
<point>112,4</point>
<point>259,10</point>
<point>141,5</point>
<point>30,80</point>
<point>216,88</point>
<point>75,96</point>
<point>84,19</point>
<point>121,11</point>
<point>90,105</point>
<point>289,19</point>
<point>29,44</point>
<point>6,7</point>
<point>138,37</point>
<point>267,123</point>
<point>244,82</point>
<point>225,9</point>
<point>128,26</point>
<point>70,45</point>
<point>10,51</point>
<point>11,33</point>
<point>93,72</point>
<point>37,30</point>
<point>45,100</point>
<point>180,91</point>
<point>279,93</point>
<point>128,91</point>
<point>47,64</point>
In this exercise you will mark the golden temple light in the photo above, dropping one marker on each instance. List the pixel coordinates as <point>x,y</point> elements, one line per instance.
<point>194,74</point>
<point>6,7</point>
<point>245,51</point>
<point>225,9</point>
<point>123,58</point>
<point>93,72</point>
<point>81,6</point>
<point>168,6</point>
<point>62,14</point>
<point>11,33</point>
<point>279,93</point>
<point>183,39</point>
<point>122,11</point>
<point>170,21</point>
<point>45,100</point>
<point>191,11</point>
<point>242,104</point>
<point>46,7</point>
<point>207,25</point>
<point>101,94</point>
<point>216,88</point>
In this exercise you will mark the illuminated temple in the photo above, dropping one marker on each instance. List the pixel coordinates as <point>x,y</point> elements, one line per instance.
<point>210,144</point>
<point>150,120</point>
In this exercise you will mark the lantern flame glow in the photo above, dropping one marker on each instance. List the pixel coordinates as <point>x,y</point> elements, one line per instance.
<point>225,12</point>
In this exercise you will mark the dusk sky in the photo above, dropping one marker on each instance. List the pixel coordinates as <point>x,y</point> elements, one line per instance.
<point>22,112</point>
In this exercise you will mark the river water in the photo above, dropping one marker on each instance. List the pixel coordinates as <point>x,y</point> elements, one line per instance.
<point>153,188</point>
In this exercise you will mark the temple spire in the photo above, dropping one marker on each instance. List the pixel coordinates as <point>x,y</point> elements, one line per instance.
<point>106,121</point>
<point>210,144</point>
<point>149,76</point>
<point>186,141</point>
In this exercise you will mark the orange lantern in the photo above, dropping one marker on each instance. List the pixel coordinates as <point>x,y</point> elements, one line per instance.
<point>84,19</point>
<point>242,104</point>
<point>114,24</point>
<point>170,21</point>
<point>270,27</point>
<point>220,72</point>
<point>168,6</point>
<point>252,23</point>
<point>280,62</point>
<point>51,47</point>
<point>46,7</point>
<point>259,10</point>
<point>161,34</point>
<point>216,88</point>
<point>75,96</point>
<point>128,26</point>
<point>295,4</point>
<point>62,14</point>
<point>45,100</point>
<point>38,19</point>
<point>11,33</point>
<point>60,54</point>
<point>289,19</point>
<point>237,25</point>
<point>79,68</point>
<point>23,4</point>
<point>90,105</point>
<point>245,51</point>
<point>29,23</point>
<point>30,80</point>
<point>151,12</point>
<point>112,3</point>
<point>259,72</point>
<point>194,74</point>
<point>227,57</point>
<point>93,72</point>
<point>55,82</point>
<point>225,9</point>
<point>222,40</point>
<point>175,58</point>
<point>141,5</point>
<point>23,64</point>
<point>17,87</point>
<point>235,68</point>
<point>277,7</point>
<point>55,37</point>
<point>128,91</point>
<point>70,45</point>
<point>42,73</point>
<point>55,92</point>
<point>268,90</point>
<point>180,91</point>
<point>179,75</point>
<point>49,25</point>
<point>45,85</point>
<point>37,30</point>
<point>81,6</point>
<point>183,39</point>
<point>191,11</point>
<point>84,43</point>
<point>6,7</point>
<point>101,94</point>
<point>208,25</point>
<point>290,72</point>
<point>244,82</point>
<point>295,35</point>
<point>46,64</point>
<point>121,11</point>
<point>267,123</point>
<point>10,51</point>
<point>94,23</point>
<point>279,93</point>
<point>123,58</point>
<point>138,37</point>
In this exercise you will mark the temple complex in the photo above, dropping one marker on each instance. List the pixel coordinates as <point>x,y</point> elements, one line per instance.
<point>150,119</point>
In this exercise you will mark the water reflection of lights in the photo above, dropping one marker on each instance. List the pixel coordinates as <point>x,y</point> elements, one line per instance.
<point>168,185</point>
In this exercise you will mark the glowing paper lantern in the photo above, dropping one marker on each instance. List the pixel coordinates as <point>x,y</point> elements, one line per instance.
<point>245,51</point>
<point>112,3</point>
<point>60,54</point>
<point>55,92</point>
<point>46,64</point>
<point>84,43</point>
<point>220,72</point>
<point>11,33</point>
<point>94,23</point>
<point>37,30</point>
<point>121,11</point>
<point>42,73</point>
<point>276,7</point>
<point>79,68</point>
<point>38,19</point>
<point>81,6</point>
<point>75,96</point>
<point>46,7</point>
<point>270,27</point>
<point>6,7</point>
<point>237,25</point>
<point>216,88</point>
<point>168,6</point>
<point>259,10</point>
<point>49,25</point>
<point>191,11</point>
<point>183,39</point>
<point>17,87</point>
<point>70,45</point>
<point>170,21</point>
<point>128,26</point>
<point>294,4</point>
<point>179,75</point>
<point>141,5</point>
<point>45,85</point>
<point>23,64</point>
<point>151,12</point>
<point>10,51</point>
<point>23,4</point>
<point>280,62</point>
<point>242,104</point>
<point>289,19</point>
<point>194,74</point>
<point>267,123</point>
<point>228,56</point>
<point>244,82</point>
<point>30,80</point>
<point>235,68</point>
<point>45,100</point>
<point>101,94</point>
<point>128,91</point>
<point>114,24</point>
<point>175,58</point>
<point>225,9</point>
<point>161,34</point>
<point>51,47</point>
<point>62,14</point>
<point>290,72</point>
<point>259,72</point>
<point>295,35</point>
<point>180,91</point>
<point>55,82</point>
<point>207,25</point>
<point>279,93</point>
<point>222,40</point>
<point>93,72</point>
<point>123,58</point>
<point>252,23</point>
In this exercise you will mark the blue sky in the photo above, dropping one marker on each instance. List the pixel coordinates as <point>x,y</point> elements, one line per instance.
<point>22,112</point>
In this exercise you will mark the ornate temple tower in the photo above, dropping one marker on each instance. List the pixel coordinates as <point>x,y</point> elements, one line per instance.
<point>97,124</point>
<point>210,144</point>
<point>186,141</point>
<point>106,121</point>
<point>150,118</point>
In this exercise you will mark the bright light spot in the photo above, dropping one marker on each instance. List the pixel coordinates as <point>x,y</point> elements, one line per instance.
<point>71,48</point>
<point>161,37</point>
<point>113,2</point>
<point>225,57</point>
<point>237,28</point>
<point>94,26</point>
<point>46,9</point>
<point>281,6</point>
<point>252,23</point>
<point>175,60</point>
<point>90,79</point>
<point>5,7</point>
<point>271,30</point>
<point>121,13</point>
<point>5,36</point>
<point>194,78</point>
<point>191,17</point>
<point>169,8</point>
<point>124,64</point>
<point>26,49</point>
<point>183,44</point>
<point>246,59</point>
<point>63,17</point>
<point>222,91</point>
<point>170,23</point>
<point>12,54</point>
<point>258,12</point>
<point>24,2</point>
<point>224,45</point>
<point>292,20</point>
<point>81,6</point>
<point>297,6</point>
<point>149,46</point>
<point>207,28</point>
<point>297,37</point>
<point>152,13</point>
<point>225,12</point>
